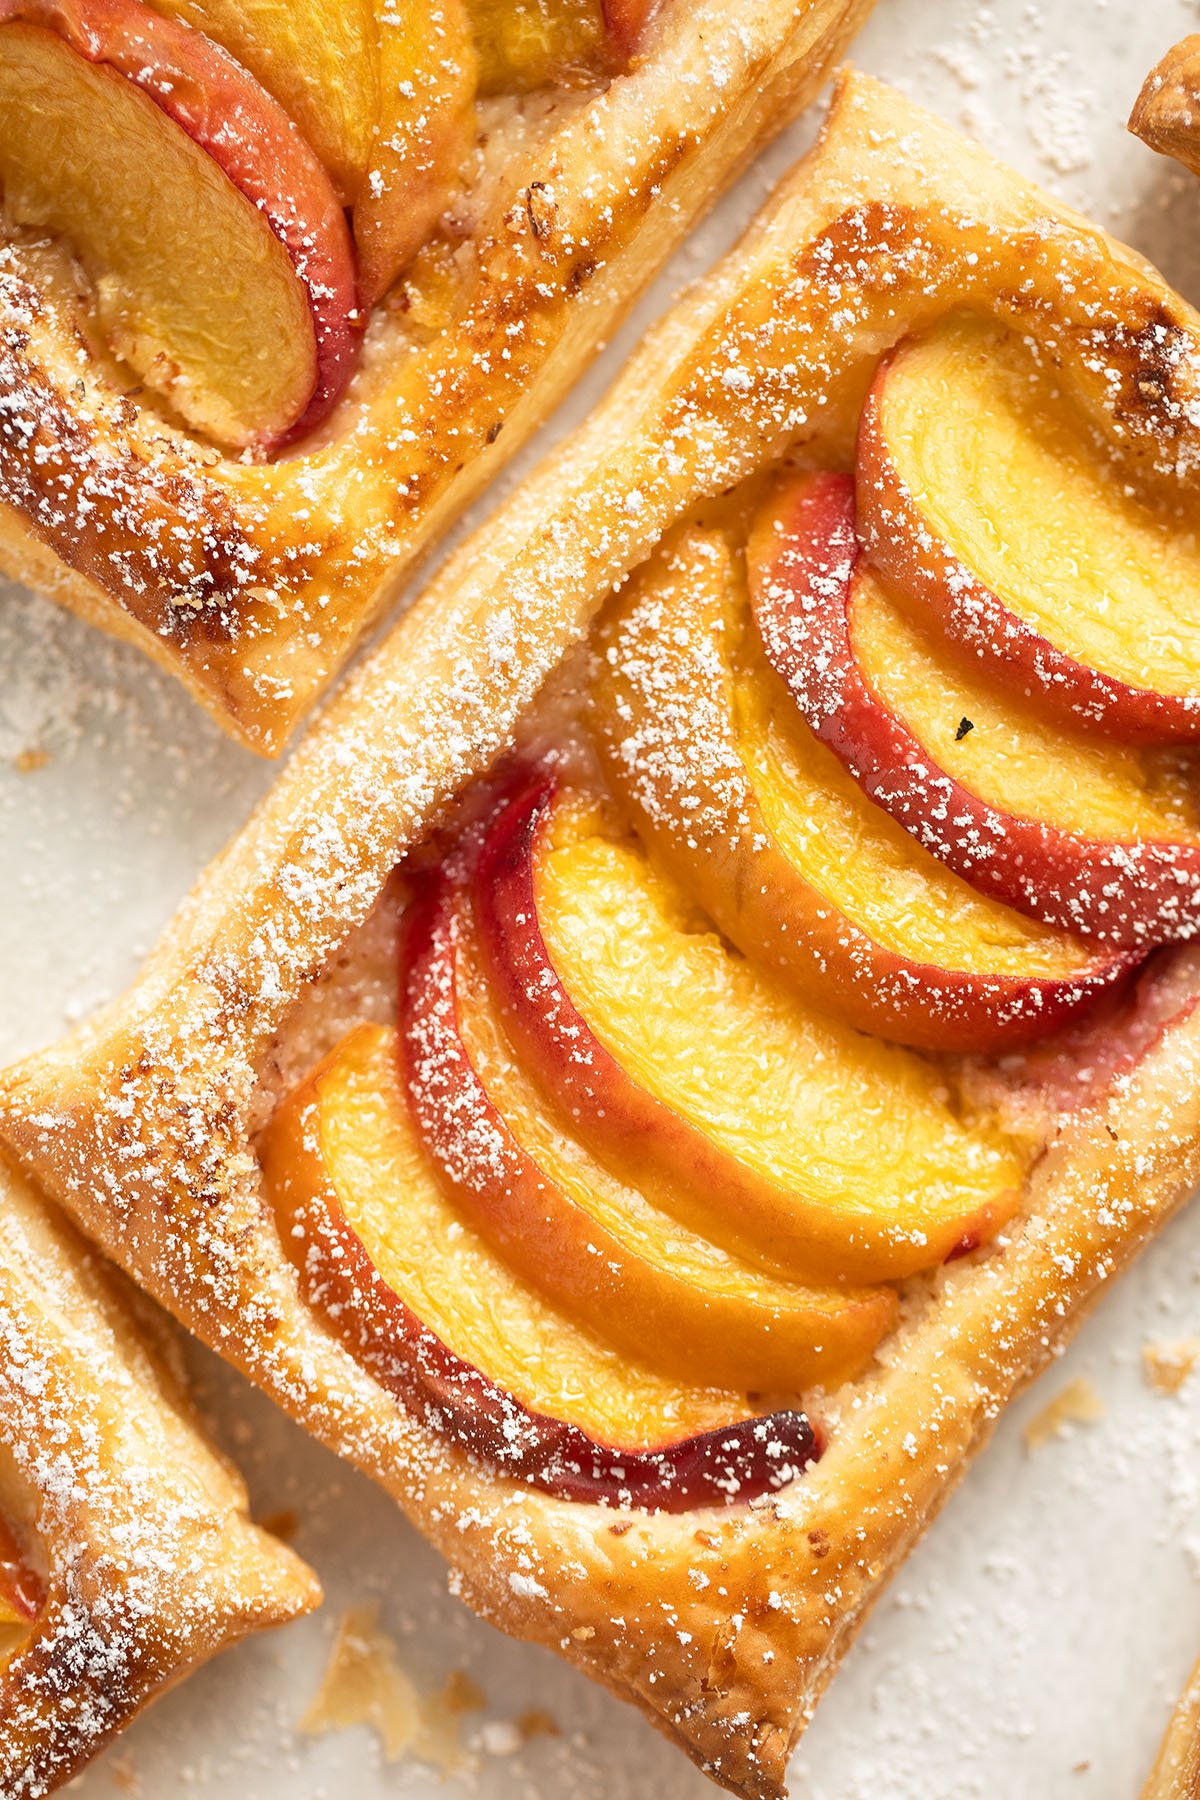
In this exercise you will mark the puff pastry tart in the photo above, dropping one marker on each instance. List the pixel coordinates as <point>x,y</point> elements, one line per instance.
<point>126,1556</point>
<point>1176,1771</point>
<point>650,1087</point>
<point>383,238</point>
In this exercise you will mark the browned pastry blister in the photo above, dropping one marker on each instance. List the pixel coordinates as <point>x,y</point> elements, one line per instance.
<point>125,1536</point>
<point>724,1620</point>
<point>251,581</point>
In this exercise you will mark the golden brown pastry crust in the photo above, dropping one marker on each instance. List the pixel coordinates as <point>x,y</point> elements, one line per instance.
<point>151,1563</point>
<point>1166,116</point>
<point>1166,113</point>
<point>1176,1771</point>
<point>253,582</point>
<point>724,1626</point>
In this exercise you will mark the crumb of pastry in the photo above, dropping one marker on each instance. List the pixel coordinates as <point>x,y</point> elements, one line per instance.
<point>535,1723</point>
<point>1077,1404</point>
<point>365,1683</point>
<point>1168,1366</point>
<point>29,761</point>
<point>439,1740</point>
<point>506,1737</point>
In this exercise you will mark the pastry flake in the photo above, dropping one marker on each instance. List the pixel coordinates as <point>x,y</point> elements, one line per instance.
<point>237,475</point>
<point>706,1548</point>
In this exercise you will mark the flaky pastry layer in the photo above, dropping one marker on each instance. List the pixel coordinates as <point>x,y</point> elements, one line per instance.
<point>252,582</point>
<point>151,1564</point>
<point>723,1625</point>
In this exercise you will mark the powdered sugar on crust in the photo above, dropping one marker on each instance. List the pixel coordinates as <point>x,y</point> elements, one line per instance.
<point>138,1531</point>
<point>252,582</point>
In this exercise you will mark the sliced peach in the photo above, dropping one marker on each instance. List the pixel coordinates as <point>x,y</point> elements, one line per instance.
<point>988,505</point>
<point>627,22</point>
<point>757,819</point>
<point>318,59</point>
<point>443,1323</point>
<point>591,1243</point>
<point>785,1136</point>
<point>221,259</point>
<point>22,1591</point>
<point>530,44</point>
<point>1079,832</point>
<point>426,126</point>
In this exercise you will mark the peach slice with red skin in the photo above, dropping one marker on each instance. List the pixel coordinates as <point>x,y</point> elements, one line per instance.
<point>628,22</point>
<point>530,44</point>
<point>984,502</point>
<point>22,1591</point>
<point>382,1256</point>
<point>253,336</point>
<point>1084,834</point>
<point>593,1245</point>
<point>752,814</point>
<point>317,57</point>
<point>784,1136</point>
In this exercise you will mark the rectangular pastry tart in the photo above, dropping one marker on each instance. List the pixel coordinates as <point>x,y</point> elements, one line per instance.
<point>126,1555</point>
<point>705,1011</point>
<point>383,238</point>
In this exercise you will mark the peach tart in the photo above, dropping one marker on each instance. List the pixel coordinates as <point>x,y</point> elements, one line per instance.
<point>127,1557</point>
<point>710,1005</point>
<point>380,240</point>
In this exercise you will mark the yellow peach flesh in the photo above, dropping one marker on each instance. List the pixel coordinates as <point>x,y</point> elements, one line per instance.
<point>868,866</point>
<point>714,1311</point>
<point>316,57</point>
<point>527,44</point>
<point>862,1132</point>
<point>349,1128</point>
<point>1012,757</point>
<point>1004,471</point>
<point>427,76</point>
<point>194,289</point>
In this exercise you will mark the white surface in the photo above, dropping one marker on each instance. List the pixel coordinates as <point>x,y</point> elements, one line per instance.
<point>1032,1644</point>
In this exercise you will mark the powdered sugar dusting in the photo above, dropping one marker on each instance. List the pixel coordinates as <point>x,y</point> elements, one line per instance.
<point>910,1749</point>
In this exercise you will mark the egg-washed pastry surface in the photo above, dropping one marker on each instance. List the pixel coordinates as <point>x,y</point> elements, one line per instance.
<point>382,239</point>
<point>709,1006</point>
